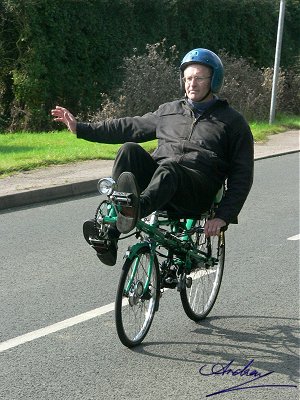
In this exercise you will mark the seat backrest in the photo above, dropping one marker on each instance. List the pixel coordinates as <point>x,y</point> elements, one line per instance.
<point>175,215</point>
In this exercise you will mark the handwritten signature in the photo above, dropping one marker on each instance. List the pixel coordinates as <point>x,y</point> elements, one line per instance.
<point>246,371</point>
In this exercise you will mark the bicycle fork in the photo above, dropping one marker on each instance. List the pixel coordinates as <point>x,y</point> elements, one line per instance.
<point>137,290</point>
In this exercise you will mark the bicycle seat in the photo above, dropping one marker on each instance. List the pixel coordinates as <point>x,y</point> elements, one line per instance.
<point>174,214</point>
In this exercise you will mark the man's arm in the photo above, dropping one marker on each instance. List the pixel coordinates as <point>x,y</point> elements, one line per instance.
<point>240,174</point>
<point>119,130</point>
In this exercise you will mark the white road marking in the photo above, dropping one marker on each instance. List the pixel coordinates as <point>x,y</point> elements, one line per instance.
<point>296,237</point>
<point>28,337</point>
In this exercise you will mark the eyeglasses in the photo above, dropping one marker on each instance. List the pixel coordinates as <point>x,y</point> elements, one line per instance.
<point>198,79</point>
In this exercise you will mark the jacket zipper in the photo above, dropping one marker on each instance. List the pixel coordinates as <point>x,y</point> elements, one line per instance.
<point>193,126</point>
<point>189,138</point>
<point>206,112</point>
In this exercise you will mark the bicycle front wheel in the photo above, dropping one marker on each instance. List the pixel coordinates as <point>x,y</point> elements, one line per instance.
<point>199,299</point>
<point>137,297</point>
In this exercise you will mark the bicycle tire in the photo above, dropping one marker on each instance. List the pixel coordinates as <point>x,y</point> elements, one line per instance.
<point>199,299</point>
<point>134,313</point>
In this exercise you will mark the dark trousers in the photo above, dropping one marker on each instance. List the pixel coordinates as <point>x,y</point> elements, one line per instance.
<point>167,185</point>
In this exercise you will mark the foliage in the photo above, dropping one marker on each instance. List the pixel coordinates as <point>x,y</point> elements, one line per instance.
<point>248,88</point>
<point>153,79</point>
<point>69,52</point>
<point>149,80</point>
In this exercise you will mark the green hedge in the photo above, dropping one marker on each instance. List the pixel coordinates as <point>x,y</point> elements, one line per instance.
<point>69,52</point>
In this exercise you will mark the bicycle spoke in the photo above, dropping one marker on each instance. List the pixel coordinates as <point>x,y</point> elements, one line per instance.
<point>199,299</point>
<point>136,304</point>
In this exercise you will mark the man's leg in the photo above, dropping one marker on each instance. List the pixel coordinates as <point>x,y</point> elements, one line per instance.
<point>172,186</point>
<point>187,191</point>
<point>133,158</point>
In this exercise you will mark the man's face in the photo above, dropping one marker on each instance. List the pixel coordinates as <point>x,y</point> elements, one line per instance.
<point>196,87</point>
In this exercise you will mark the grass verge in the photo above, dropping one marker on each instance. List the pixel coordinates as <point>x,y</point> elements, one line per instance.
<point>26,151</point>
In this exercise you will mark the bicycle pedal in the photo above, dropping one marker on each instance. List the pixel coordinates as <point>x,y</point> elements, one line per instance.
<point>99,243</point>
<point>171,280</point>
<point>122,197</point>
<point>170,283</point>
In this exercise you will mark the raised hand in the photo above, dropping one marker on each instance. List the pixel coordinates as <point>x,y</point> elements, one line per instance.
<point>61,114</point>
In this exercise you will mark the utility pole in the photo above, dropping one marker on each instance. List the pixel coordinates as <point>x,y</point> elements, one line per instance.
<point>277,61</point>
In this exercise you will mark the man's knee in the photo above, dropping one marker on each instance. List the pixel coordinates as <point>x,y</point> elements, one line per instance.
<point>129,148</point>
<point>126,157</point>
<point>131,157</point>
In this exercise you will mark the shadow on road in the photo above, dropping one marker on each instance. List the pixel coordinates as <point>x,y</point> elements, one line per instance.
<point>272,343</point>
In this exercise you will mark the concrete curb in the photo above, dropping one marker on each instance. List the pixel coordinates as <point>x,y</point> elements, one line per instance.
<point>30,197</point>
<point>47,194</point>
<point>276,155</point>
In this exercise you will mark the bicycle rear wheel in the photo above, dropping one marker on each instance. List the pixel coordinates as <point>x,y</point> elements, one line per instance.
<point>135,304</point>
<point>199,299</point>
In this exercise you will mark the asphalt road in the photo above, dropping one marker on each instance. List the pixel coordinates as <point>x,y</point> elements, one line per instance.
<point>49,275</point>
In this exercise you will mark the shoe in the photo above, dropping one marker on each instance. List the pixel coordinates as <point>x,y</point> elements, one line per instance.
<point>128,215</point>
<point>106,246</point>
<point>170,279</point>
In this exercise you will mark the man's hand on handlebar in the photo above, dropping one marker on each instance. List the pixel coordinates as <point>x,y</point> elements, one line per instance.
<point>61,114</point>
<point>213,227</point>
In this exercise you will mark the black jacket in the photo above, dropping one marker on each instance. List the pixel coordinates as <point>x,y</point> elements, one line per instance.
<point>219,143</point>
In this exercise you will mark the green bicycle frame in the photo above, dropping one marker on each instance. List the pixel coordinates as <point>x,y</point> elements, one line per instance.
<point>157,237</point>
<point>167,239</point>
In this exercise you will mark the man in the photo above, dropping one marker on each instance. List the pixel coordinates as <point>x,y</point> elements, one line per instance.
<point>202,142</point>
